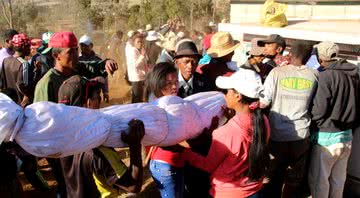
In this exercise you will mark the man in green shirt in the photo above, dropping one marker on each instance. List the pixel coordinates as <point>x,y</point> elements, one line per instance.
<point>64,46</point>
<point>64,49</point>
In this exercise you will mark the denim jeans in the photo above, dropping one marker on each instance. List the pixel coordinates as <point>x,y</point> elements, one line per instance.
<point>169,179</point>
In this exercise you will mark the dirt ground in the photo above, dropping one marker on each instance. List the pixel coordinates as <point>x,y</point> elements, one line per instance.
<point>119,93</point>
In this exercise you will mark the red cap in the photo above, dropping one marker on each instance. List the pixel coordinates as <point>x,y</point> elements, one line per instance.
<point>63,40</point>
<point>36,43</point>
<point>20,40</point>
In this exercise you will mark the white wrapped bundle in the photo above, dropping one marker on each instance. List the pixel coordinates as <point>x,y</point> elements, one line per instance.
<point>183,119</point>
<point>11,115</point>
<point>168,120</point>
<point>56,130</point>
<point>208,105</point>
<point>153,117</point>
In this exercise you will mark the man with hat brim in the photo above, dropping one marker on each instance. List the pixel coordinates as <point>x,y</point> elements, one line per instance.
<point>190,82</point>
<point>221,52</point>
<point>45,37</point>
<point>64,49</point>
<point>275,46</point>
<point>167,54</point>
<point>186,60</point>
<point>86,49</point>
<point>88,54</point>
<point>152,49</point>
<point>288,92</point>
<point>335,112</point>
<point>254,62</point>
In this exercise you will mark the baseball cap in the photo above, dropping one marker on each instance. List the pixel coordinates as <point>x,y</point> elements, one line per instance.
<point>273,38</point>
<point>256,50</point>
<point>75,90</point>
<point>327,50</point>
<point>85,39</point>
<point>20,40</point>
<point>61,40</point>
<point>186,47</point>
<point>46,37</point>
<point>243,82</point>
<point>36,43</point>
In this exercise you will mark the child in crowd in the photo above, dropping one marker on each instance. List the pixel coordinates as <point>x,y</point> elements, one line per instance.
<point>100,171</point>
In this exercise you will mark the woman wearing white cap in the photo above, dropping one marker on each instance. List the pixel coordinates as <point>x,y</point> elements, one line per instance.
<point>238,156</point>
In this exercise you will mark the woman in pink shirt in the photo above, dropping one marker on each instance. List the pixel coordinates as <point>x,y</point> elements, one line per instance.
<point>238,156</point>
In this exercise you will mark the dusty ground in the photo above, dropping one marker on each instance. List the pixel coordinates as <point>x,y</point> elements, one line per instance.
<point>119,94</point>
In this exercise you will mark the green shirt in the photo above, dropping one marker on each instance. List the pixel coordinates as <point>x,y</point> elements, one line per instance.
<point>48,86</point>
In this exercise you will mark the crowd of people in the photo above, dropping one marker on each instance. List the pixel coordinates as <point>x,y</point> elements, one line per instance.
<point>287,131</point>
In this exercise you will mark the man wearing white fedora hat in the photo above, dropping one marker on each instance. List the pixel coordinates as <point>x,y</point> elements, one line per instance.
<point>168,52</point>
<point>221,51</point>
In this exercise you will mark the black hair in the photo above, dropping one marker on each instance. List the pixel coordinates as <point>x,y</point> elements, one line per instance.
<point>9,34</point>
<point>21,48</point>
<point>156,78</point>
<point>301,50</point>
<point>259,158</point>
<point>93,88</point>
<point>135,36</point>
<point>119,32</point>
<point>283,47</point>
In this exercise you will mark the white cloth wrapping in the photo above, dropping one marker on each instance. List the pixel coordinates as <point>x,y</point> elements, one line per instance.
<point>47,129</point>
<point>57,130</point>
<point>153,117</point>
<point>11,115</point>
<point>175,121</point>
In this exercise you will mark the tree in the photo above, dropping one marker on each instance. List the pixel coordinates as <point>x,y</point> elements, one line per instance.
<point>7,10</point>
<point>146,12</point>
<point>176,9</point>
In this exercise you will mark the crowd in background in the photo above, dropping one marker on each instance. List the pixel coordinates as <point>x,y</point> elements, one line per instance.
<point>289,129</point>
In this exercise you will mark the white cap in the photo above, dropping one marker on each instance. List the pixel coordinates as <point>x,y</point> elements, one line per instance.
<point>327,50</point>
<point>85,39</point>
<point>180,35</point>
<point>212,24</point>
<point>148,27</point>
<point>243,82</point>
<point>152,36</point>
<point>130,33</point>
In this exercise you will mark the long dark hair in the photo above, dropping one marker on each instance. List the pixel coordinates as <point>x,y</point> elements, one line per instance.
<point>259,158</point>
<point>156,78</point>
